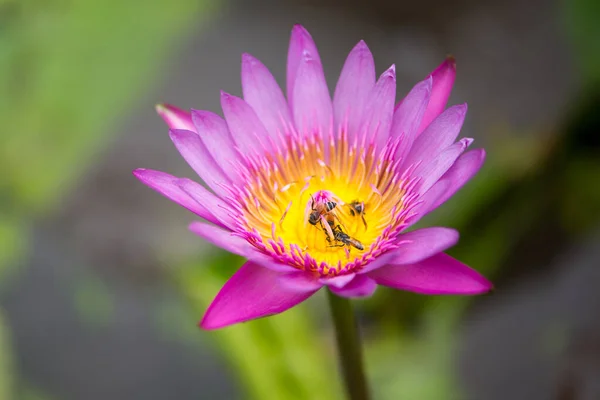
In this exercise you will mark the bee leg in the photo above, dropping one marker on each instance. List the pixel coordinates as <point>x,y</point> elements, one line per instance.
<point>364,221</point>
<point>340,223</point>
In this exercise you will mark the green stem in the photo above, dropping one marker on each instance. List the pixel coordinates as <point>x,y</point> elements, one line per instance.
<point>349,347</point>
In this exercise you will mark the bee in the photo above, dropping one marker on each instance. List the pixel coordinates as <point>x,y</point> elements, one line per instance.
<point>358,208</point>
<point>321,212</point>
<point>320,209</point>
<point>340,236</point>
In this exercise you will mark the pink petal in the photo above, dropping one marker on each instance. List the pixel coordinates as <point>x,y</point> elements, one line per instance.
<point>423,243</point>
<point>312,107</point>
<point>246,129</point>
<point>176,118</point>
<point>443,80</point>
<point>167,185</point>
<point>252,292</point>
<point>338,281</point>
<point>431,172</point>
<point>360,286</point>
<point>356,82</point>
<point>301,43</point>
<point>460,173</point>
<point>196,154</point>
<point>407,116</point>
<point>379,262</point>
<point>428,201</point>
<point>264,95</point>
<point>206,199</point>
<point>215,135</point>
<point>221,238</point>
<point>300,281</point>
<point>379,110</point>
<point>440,134</point>
<point>440,274</point>
<point>269,262</point>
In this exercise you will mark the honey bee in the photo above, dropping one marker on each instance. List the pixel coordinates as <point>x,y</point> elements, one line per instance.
<point>321,212</point>
<point>340,236</point>
<point>320,209</point>
<point>358,208</point>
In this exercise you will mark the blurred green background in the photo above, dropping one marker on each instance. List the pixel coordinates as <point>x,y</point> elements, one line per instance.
<point>101,285</point>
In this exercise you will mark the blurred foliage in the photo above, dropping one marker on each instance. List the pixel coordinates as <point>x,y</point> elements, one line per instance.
<point>582,18</point>
<point>6,377</point>
<point>68,69</point>
<point>61,94</point>
<point>93,301</point>
<point>13,241</point>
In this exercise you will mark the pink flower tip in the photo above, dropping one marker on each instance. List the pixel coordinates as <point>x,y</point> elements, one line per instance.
<point>298,29</point>
<point>361,45</point>
<point>208,325</point>
<point>390,72</point>
<point>450,62</point>
<point>482,154</point>
<point>166,110</point>
<point>225,97</point>
<point>249,59</point>
<point>138,172</point>
<point>174,117</point>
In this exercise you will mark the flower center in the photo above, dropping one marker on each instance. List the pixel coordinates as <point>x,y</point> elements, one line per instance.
<point>324,209</point>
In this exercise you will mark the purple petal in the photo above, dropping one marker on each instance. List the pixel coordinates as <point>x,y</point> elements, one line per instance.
<point>312,107</point>
<point>246,129</point>
<point>167,185</point>
<point>264,95</point>
<point>440,274</point>
<point>221,238</point>
<point>301,43</point>
<point>356,82</point>
<point>176,118</point>
<point>215,135</point>
<point>379,110</point>
<point>300,281</point>
<point>408,115</point>
<point>431,172</point>
<point>196,154</point>
<point>440,134</point>
<point>443,80</point>
<point>206,199</point>
<point>460,173</point>
<point>423,243</point>
<point>252,292</point>
<point>338,281</point>
<point>360,286</point>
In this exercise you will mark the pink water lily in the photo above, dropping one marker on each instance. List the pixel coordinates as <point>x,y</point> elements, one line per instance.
<point>315,192</point>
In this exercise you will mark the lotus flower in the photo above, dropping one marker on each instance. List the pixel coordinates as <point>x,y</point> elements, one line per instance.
<point>315,192</point>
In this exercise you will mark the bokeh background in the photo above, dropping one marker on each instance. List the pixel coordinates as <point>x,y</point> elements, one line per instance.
<point>101,284</point>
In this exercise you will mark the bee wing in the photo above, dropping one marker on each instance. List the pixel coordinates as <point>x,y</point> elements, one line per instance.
<point>327,228</point>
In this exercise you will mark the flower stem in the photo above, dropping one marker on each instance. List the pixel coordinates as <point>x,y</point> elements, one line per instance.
<point>349,347</point>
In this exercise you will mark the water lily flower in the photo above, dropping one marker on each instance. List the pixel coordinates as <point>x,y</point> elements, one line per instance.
<point>315,192</point>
